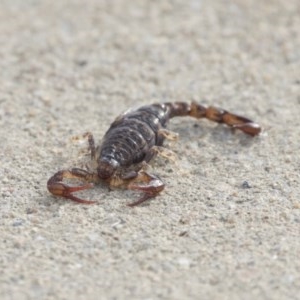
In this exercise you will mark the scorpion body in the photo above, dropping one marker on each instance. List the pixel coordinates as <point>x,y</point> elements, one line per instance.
<point>131,142</point>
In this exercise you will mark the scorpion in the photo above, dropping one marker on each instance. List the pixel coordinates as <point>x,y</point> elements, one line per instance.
<point>131,141</point>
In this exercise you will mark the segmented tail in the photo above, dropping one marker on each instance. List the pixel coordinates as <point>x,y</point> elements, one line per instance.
<point>198,111</point>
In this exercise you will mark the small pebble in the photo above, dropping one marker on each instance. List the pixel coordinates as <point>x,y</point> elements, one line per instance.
<point>246,185</point>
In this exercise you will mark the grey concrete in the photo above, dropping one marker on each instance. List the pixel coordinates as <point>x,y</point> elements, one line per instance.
<point>227,225</point>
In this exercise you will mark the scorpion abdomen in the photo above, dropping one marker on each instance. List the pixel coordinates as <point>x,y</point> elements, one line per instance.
<point>132,135</point>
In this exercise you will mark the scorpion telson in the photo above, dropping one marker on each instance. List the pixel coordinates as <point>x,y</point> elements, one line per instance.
<point>131,142</point>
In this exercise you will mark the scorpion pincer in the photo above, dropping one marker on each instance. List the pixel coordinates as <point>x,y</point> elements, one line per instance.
<point>131,142</point>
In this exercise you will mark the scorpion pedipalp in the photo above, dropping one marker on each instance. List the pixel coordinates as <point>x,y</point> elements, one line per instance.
<point>58,188</point>
<point>151,185</point>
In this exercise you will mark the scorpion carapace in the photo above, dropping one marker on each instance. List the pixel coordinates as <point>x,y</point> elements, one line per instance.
<point>131,142</point>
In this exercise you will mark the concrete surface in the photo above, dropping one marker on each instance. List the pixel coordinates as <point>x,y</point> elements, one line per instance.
<point>227,225</point>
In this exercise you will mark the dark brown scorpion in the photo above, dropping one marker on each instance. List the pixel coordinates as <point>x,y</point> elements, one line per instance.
<point>131,142</point>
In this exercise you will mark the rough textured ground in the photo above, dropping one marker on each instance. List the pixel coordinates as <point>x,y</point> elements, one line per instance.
<point>227,225</point>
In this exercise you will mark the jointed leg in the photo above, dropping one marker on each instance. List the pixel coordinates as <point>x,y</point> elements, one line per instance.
<point>167,134</point>
<point>164,152</point>
<point>161,151</point>
<point>91,142</point>
<point>151,185</point>
<point>58,188</point>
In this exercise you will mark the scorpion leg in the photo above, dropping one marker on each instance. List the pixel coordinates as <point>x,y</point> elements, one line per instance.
<point>91,142</point>
<point>169,135</point>
<point>164,152</point>
<point>58,188</point>
<point>151,185</point>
